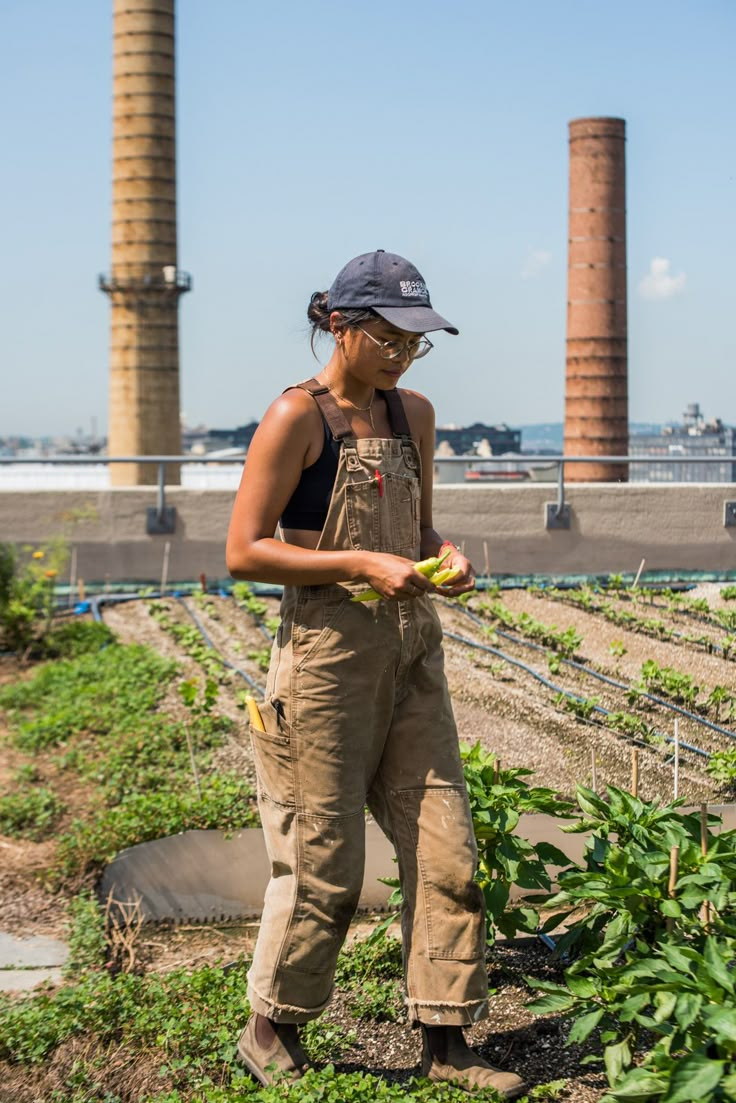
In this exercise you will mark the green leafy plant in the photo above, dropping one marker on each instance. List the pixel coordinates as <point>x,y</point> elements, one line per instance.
<point>27,594</point>
<point>497,800</point>
<point>262,657</point>
<point>87,943</point>
<point>617,648</point>
<point>75,638</point>
<point>102,693</point>
<point>30,815</point>
<point>191,641</point>
<point>246,599</point>
<point>722,766</point>
<point>370,970</point>
<point>581,707</point>
<point>645,961</point>
<point>566,641</point>
<point>728,593</point>
<point>224,802</point>
<point>668,682</point>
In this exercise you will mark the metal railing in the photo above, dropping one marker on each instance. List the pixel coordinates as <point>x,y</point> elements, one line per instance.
<point>557,513</point>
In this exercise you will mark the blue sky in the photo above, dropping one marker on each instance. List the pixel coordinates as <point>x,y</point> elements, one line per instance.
<point>308,133</point>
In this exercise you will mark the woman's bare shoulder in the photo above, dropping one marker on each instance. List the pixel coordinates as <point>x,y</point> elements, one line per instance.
<point>416,405</point>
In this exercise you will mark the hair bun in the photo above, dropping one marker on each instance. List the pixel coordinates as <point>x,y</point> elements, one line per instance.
<point>317,311</point>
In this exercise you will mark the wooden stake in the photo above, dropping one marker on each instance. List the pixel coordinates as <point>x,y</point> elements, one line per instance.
<point>203,582</point>
<point>635,772</point>
<point>638,574</point>
<point>593,773</point>
<point>72,575</point>
<point>80,588</point>
<point>674,861</point>
<point>165,567</point>
<point>676,781</point>
<point>705,914</point>
<point>462,547</point>
<point>496,771</point>
<point>487,561</point>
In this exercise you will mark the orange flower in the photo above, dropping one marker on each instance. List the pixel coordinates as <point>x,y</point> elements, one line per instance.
<point>50,574</point>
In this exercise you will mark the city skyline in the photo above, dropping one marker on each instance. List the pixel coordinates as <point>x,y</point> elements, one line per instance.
<point>293,157</point>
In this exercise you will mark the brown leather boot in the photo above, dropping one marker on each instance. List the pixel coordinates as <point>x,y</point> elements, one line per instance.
<point>447,1057</point>
<point>271,1051</point>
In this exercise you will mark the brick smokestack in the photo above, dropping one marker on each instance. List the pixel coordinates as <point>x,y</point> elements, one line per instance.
<point>596,387</point>
<point>144,284</point>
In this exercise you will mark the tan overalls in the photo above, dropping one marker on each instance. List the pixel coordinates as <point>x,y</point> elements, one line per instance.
<point>357,712</point>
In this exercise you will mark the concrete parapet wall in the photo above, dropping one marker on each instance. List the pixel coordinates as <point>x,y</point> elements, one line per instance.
<point>676,527</point>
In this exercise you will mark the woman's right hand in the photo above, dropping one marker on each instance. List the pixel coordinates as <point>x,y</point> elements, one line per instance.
<point>394,577</point>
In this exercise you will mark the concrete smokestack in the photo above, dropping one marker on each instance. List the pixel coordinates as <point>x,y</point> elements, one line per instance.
<point>144,284</point>
<point>596,389</point>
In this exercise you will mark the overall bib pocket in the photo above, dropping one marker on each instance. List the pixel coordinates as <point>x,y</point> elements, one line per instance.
<point>383,516</point>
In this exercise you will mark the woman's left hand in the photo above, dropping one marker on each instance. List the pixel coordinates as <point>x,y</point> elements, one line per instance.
<point>465,581</point>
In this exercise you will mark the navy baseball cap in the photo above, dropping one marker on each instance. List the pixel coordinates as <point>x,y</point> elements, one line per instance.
<point>390,286</point>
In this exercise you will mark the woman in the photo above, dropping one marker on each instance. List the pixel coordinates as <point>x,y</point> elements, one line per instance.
<point>356,709</point>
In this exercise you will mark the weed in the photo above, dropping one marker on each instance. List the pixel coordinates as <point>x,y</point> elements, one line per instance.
<point>87,944</point>
<point>378,1000</point>
<point>617,649</point>
<point>324,1041</point>
<point>226,803</point>
<point>78,637</point>
<point>99,693</point>
<point>728,593</point>
<point>30,815</point>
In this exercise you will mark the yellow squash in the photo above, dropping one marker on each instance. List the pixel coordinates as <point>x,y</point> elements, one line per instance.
<point>427,567</point>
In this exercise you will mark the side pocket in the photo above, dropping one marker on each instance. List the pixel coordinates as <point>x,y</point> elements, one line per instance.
<point>272,755</point>
<point>318,621</point>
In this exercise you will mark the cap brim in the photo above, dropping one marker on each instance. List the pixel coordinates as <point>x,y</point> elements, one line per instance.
<point>414,319</point>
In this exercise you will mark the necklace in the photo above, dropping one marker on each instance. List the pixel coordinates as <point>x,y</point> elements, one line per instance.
<point>361,409</point>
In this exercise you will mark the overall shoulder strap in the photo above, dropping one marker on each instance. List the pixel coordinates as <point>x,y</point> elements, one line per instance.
<point>331,412</point>
<point>397,414</point>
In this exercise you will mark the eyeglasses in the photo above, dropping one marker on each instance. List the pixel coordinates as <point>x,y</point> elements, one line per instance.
<point>394,350</point>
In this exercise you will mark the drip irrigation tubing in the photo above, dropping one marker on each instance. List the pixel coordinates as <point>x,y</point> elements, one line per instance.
<point>609,681</point>
<point>566,693</point>
<point>701,617</point>
<point>632,628</point>
<point>94,606</point>
<point>230,666</point>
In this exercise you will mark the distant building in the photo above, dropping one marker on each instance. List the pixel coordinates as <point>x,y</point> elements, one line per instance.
<point>694,436</point>
<point>469,439</point>
<point>202,440</point>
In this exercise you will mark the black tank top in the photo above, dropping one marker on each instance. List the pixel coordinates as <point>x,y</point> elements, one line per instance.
<point>307,508</point>
<point>308,505</point>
